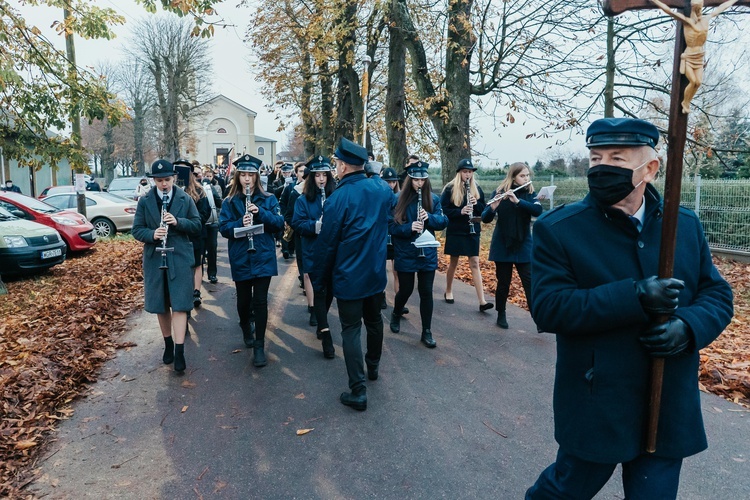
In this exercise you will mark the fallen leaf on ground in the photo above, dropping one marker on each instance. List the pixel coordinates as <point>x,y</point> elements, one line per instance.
<point>302,432</point>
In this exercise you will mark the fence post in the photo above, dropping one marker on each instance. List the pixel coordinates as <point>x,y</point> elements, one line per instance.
<point>552,196</point>
<point>698,195</point>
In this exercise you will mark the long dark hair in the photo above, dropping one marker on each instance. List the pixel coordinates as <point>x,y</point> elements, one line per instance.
<point>407,195</point>
<point>310,189</point>
<point>238,189</point>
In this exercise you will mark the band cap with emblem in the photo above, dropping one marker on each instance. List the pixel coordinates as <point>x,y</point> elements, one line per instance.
<point>389,174</point>
<point>351,153</point>
<point>247,163</point>
<point>631,132</point>
<point>466,164</point>
<point>287,167</point>
<point>418,170</point>
<point>162,168</point>
<point>319,164</point>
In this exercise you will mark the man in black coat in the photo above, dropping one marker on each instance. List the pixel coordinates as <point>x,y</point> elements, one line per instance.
<point>593,285</point>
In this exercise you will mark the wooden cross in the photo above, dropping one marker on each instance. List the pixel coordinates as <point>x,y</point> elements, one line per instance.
<point>676,137</point>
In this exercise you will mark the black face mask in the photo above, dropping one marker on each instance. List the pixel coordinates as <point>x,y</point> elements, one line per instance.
<point>609,184</point>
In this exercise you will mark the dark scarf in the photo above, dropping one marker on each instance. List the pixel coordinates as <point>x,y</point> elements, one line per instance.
<point>514,223</point>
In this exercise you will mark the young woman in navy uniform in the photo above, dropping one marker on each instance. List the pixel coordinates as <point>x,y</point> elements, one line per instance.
<point>251,270</point>
<point>511,240</point>
<point>406,224</point>
<point>308,213</point>
<point>462,235</point>
<point>168,292</point>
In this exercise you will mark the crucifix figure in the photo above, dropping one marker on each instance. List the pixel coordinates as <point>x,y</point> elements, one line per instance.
<point>695,29</point>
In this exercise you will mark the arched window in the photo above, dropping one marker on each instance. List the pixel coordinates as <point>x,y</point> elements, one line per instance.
<point>221,131</point>
<point>261,151</point>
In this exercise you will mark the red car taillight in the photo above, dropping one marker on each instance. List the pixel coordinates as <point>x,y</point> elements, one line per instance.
<point>130,210</point>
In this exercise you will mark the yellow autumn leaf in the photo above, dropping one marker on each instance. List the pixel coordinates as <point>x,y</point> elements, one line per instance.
<point>26,444</point>
<point>302,432</point>
<point>184,409</point>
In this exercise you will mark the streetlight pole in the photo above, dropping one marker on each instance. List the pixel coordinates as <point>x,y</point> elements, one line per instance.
<point>365,93</point>
<point>75,116</point>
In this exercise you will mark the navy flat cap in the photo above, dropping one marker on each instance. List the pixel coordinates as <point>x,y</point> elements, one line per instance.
<point>465,164</point>
<point>248,163</point>
<point>162,168</point>
<point>621,132</point>
<point>351,153</point>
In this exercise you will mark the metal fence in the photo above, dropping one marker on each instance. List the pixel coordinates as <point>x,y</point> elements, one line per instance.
<point>723,206</point>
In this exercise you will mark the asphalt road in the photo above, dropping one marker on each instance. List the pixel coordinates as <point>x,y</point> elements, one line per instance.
<point>469,419</point>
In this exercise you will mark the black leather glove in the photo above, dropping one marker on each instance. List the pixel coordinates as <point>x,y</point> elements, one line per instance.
<point>667,339</point>
<point>658,296</point>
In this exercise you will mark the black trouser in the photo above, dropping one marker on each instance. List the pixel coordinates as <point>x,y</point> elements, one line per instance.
<point>210,244</point>
<point>322,300</point>
<point>252,301</point>
<point>424,287</point>
<point>504,274</point>
<point>351,314</point>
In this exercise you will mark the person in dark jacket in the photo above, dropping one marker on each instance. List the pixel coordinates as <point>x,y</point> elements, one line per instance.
<point>10,187</point>
<point>247,205</point>
<point>351,259</point>
<point>406,225</point>
<point>307,221</point>
<point>168,292</point>
<point>511,239</point>
<point>463,208</point>
<point>593,284</point>
<point>390,176</point>
<point>213,191</point>
<point>286,192</point>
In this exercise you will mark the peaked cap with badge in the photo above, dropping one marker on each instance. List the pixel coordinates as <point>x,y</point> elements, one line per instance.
<point>418,170</point>
<point>351,153</point>
<point>247,163</point>
<point>465,164</point>
<point>319,164</point>
<point>162,168</point>
<point>629,132</point>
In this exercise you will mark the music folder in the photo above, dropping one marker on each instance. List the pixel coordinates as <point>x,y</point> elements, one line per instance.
<point>239,232</point>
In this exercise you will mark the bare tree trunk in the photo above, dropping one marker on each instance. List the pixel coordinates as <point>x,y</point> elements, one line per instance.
<point>108,164</point>
<point>326,139</point>
<point>350,104</point>
<point>395,100</point>
<point>609,85</point>
<point>139,132</point>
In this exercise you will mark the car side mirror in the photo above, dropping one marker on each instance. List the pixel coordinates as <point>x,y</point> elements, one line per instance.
<point>19,213</point>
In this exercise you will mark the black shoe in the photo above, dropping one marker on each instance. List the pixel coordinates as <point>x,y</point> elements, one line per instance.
<point>313,318</point>
<point>259,355</point>
<point>213,280</point>
<point>395,322</point>
<point>196,298</point>
<point>179,358</point>
<point>486,307</point>
<point>427,339</point>
<point>405,310</point>
<point>357,401</point>
<point>328,351</point>
<point>447,300</point>
<point>248,334</point>
<point>285,255</point>
<point>372,371</point>
<point>383,305</point>
<point>502,322</point>
<point>168,356</point>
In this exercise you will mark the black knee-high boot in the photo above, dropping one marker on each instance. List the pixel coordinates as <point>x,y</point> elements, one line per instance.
<point>168,356</point>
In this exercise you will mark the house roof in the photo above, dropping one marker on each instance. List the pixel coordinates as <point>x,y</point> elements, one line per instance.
<point>264,139</point>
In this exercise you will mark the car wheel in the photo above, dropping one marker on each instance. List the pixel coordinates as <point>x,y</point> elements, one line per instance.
<point>104,228</point>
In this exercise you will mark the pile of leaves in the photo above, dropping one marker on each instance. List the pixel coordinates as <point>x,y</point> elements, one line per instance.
<point>57,329</point>
<point>725,364</point>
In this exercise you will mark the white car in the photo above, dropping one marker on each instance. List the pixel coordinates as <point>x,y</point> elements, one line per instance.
<point>108,213</point>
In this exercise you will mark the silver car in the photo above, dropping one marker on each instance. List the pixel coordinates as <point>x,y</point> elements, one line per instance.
<point>108,213</point>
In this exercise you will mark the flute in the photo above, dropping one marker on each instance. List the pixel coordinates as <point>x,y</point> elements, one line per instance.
<point>467,187</point>
<point>500,196</point>
<point>248,202</point>
<point>419,209</point>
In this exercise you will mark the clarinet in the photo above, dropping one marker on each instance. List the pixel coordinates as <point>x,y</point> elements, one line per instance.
<point>419,209</point>
<point>467,186</point>
<point>248,202</point>
<point>319,222</point>
<point>163,224</point>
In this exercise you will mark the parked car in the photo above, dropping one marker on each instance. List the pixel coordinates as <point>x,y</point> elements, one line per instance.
<point>56,189</point>
<point>125,186</point>
<point>108,213</point>
<point>27,246</point>
<point>76,231</point>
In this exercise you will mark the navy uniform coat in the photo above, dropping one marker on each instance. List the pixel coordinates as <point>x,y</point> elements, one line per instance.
<point>498,251</point>
<point>458,223</point>
<point>261,263</point>
<point>405,255</point>
<point>180,261</point>
<point>585,262</point>
<point>306,214</point>
<point>351,246</point>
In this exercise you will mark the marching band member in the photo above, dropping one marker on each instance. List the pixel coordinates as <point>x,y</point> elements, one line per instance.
<point>307,220</point>
<point>511,240</point>
<point>461,205</point>
<point>416,210</point>
<point>391,177</point>
<point>251,270</point>
<point>166,217</point>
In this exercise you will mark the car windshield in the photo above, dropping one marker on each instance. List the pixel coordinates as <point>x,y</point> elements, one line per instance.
<point>5,215</point>
<point>38,206</point>
<point>124,183</point>
<point>114,198</point>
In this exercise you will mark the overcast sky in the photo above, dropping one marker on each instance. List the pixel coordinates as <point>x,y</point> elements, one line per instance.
<point>496,146</point>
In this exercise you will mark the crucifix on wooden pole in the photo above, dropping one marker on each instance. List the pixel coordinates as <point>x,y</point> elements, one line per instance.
<point>687,75</point>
